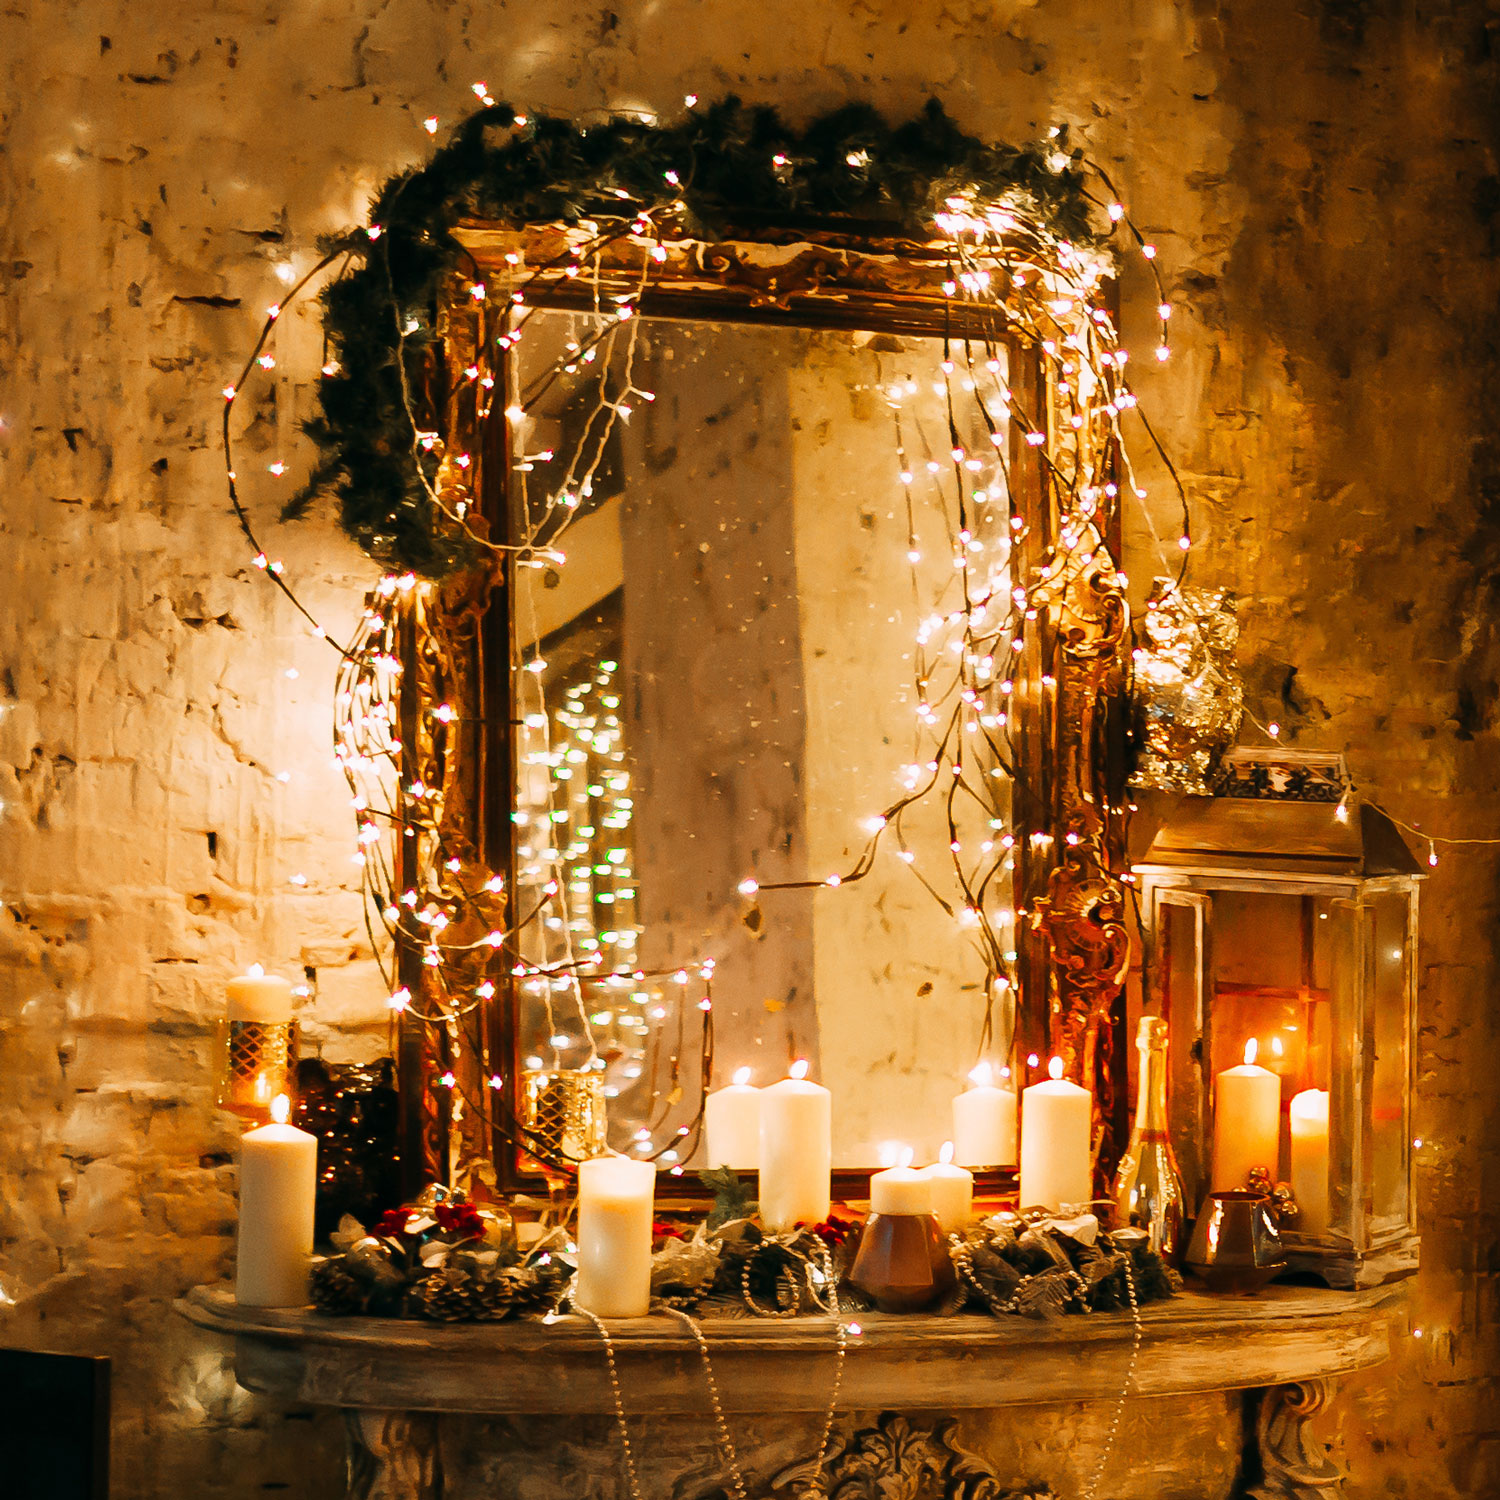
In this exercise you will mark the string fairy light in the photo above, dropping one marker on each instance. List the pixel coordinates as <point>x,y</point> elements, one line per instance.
<point>1351,791</point>
<point>1011,279</point>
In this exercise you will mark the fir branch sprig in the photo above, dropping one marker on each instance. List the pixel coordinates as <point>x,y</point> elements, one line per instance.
<point>731,167</point>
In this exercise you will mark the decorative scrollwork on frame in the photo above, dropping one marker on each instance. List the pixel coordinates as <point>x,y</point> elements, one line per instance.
<point>1082,914</point>
<point>897,1460</point>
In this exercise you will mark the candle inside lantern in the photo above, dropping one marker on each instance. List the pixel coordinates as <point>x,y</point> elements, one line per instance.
<point>614,1236</point>
<point>1308,1118</point>
<point>278,1184</point>
<point>257,996</point>
<point>900,1189</point>
<point>1056,1142</point>
<point>984,1122</point>
<point>731,1121</point>
<point>952,1192</point>
<point>796,1151</point>
<point>1247,1123</point>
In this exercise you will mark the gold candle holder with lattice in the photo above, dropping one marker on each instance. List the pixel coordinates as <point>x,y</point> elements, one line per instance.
<point>257,1061</point>
<point>563,1114</point>
<point>257,1045</point>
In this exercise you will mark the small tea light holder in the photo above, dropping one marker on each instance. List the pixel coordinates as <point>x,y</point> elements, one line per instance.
<point>902,1263</point>
<point>563,1115</point>
<point>257,1045</point>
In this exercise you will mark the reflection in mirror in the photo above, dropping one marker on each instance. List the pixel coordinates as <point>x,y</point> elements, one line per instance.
<point>739,648</point>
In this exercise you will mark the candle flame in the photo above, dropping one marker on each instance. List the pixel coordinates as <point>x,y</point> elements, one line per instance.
<point>1251,1048</point>
<point>1277,1050</point>
<point>1055,1068</point>
<point>906,1157</point>
<point>798,1069</point>
<point>281,1109</point>
<point>741,1077</point>
<point>946,1154</point>
<point>982,1074</point>
<point>256,972</point>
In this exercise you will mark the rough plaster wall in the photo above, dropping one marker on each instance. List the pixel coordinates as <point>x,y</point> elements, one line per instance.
<point>1321,180</point>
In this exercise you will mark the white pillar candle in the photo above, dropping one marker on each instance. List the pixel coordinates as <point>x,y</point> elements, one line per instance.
<point>1308,1117</point>
<point>731,1121</point>
<point>263,998</point>
<point>1057,1122</point>
<point>984,1122</point>
<point>278,1183</point>
<point>1247,1123</point>
<point>796,1151</point>
<point>614,1236</point>
<point>952,1192</point>
<point>900,1190</point>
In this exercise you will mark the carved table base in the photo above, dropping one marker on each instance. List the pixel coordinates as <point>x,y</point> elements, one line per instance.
<point>393,1455</point>
<point>968,1407</point>
<point>1293,1465</point>
<point>399,1456</point>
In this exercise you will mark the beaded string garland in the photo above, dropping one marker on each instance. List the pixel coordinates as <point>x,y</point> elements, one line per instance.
<point>1034,233</point>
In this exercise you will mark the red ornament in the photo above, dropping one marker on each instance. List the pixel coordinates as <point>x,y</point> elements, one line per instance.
<point>833,1231</point>
<point>393,1222</point>
<point>459,1218</point>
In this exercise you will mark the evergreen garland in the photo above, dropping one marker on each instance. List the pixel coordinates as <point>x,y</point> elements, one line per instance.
<point>847,164</point>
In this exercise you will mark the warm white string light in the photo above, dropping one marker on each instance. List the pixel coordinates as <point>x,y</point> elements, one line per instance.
<point>1036,289</point>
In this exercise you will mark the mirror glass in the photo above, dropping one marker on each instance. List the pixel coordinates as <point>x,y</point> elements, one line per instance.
<point>746,553</point>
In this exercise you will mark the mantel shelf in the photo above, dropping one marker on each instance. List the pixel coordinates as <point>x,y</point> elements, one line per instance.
<point>1192,1343</point>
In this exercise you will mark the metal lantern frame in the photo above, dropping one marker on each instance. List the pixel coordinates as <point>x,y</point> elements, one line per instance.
<point>1286,825</point>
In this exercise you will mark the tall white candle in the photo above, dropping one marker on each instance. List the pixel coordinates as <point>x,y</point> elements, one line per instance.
<point>614,1236</point>
<point>1308,1117</point>
<point>1247,1123</point>
<point>260,997</point>
<point>984,1122</point>
<point>278,1183</point>
<point>731,1121</point>
<point>1057,1120</point>
<point>796,1151</point>
<point>952,1192</point>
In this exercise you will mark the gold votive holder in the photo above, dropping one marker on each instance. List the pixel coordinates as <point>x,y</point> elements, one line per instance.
<point>563,1115</point>
<point>257,1061</point>
<point>1235,1247</point>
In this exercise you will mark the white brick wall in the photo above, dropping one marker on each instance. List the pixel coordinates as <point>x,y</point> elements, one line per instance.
<point>1316,183</point>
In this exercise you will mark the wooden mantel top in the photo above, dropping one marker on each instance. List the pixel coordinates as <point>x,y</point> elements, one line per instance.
<point>1192,1343</point>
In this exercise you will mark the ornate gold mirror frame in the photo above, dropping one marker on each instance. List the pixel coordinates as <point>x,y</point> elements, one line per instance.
<point>455,650</point>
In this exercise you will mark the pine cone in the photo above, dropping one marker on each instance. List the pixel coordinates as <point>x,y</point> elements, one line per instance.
<point>335,1290</point>
<point>535,1288</point>
<point>506,1291</point>
<point>447,1296</point>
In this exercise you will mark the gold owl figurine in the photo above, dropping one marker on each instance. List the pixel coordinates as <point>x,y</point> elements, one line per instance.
<point>1188,696</point>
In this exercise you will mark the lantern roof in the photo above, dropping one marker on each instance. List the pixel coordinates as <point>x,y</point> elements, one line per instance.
<point>1282,812</point>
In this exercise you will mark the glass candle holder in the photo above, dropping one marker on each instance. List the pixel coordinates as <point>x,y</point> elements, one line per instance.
<point>563,1112</point>
<point>257,1061</point>
<point>902,1263</point>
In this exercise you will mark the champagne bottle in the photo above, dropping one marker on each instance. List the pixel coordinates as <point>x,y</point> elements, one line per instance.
<point>1148,1187</point>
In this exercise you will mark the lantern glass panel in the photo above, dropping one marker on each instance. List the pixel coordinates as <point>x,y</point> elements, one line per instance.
<point>1181,918</point>
<point>1389,915</point>
<point>1272,966</point>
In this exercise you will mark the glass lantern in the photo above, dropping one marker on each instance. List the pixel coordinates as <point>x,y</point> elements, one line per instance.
<point>1280,919</point>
